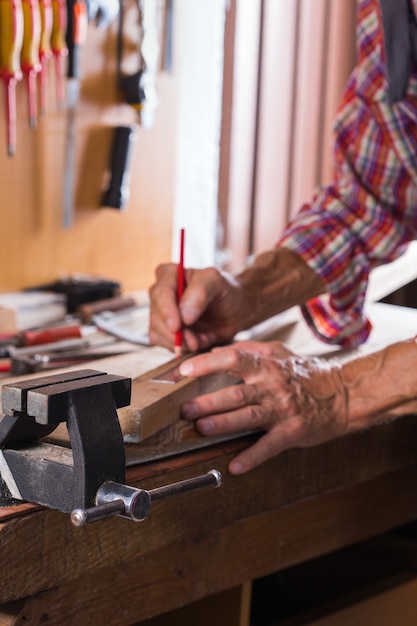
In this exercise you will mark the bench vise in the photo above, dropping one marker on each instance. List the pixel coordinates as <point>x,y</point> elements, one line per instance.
<point>87,479</point>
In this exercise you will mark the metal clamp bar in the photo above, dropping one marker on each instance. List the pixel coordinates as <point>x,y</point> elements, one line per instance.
<point>118,499</point>
<point>213,478</point>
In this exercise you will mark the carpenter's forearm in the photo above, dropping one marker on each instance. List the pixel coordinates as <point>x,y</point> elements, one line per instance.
<point>275,281</point>
<point>380,383</point>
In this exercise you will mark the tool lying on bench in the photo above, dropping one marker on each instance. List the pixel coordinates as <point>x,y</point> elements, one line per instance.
<point>88,479</point>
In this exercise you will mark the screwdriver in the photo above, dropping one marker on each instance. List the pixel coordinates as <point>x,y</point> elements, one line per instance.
<point>59,46</point>
<point>11,40</point>
<point>45,51</point>
<point>30,53</point>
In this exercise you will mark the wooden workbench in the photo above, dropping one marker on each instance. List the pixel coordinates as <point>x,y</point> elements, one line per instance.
<point>299,505</point>
<point>303,504</point>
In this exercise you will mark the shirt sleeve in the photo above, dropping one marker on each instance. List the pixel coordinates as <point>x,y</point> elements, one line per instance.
<point>368,214</point>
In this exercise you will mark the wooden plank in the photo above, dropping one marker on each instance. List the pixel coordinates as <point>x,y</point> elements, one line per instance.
<point>224,555</point>
<point>60,552</point>
<point>156,405</point>
<point>176,438</point>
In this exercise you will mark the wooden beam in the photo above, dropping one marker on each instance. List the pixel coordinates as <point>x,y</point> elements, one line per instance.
<point>283,498</point>
<point>156,405</point>
<point>224,556</point>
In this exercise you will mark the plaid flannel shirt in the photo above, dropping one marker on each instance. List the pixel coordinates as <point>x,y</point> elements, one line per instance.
<point>368,214</point>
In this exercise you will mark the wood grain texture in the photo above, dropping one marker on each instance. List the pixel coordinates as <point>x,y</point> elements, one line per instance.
<point>163,579</point>
<point>156,405</point>
<point>298,505</point>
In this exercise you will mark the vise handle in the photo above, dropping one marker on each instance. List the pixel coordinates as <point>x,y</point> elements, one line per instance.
<point>118,499</point>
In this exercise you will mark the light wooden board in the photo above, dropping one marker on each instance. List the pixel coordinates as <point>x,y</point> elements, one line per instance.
<point>155,407</point>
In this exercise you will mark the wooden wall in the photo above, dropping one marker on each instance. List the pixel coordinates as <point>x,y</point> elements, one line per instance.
<point>289,62</point>
<point>125,246</point>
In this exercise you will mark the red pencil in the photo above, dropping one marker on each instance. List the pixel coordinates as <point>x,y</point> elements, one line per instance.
<point>180,291</point>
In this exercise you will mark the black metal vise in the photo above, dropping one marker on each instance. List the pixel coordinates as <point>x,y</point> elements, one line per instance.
<point>56,476</point>
<point>88,478</point>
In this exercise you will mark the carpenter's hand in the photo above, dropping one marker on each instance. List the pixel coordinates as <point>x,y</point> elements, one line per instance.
<point>297,401</point>
<point>216,305</point>
<point>211,308</point>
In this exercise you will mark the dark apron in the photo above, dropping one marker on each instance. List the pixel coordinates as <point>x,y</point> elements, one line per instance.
<point>400,44</point>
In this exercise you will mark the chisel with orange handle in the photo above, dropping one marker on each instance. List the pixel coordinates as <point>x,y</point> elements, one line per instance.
<point>30,62</point>
<point>59,46</point>
<point>11,40</point>
<point>45,50</point>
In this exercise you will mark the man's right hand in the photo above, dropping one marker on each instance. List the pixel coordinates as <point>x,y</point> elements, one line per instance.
<point>216,305</point>
<point>213,308</point>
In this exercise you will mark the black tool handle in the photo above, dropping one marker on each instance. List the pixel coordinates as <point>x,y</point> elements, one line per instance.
<point>76,35</point>
<point>116,194</point>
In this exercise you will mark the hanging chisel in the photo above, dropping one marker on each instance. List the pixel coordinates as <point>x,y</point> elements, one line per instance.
<point>77,23</point>
<point>11,40</point>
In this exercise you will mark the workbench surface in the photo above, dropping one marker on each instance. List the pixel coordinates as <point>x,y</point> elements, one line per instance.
<point>302,504</point>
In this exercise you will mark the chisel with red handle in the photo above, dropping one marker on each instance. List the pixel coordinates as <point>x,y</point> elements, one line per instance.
<point>11,41</point>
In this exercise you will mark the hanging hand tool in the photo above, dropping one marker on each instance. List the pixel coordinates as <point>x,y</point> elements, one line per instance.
<point>102,12</point>
<point>59,46</point>
<point>116,194</point>
<point>139,89</point>
<point>11,40</point>
<point>30,54</point>
<point>77,22</point>
<point>45,51</point>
